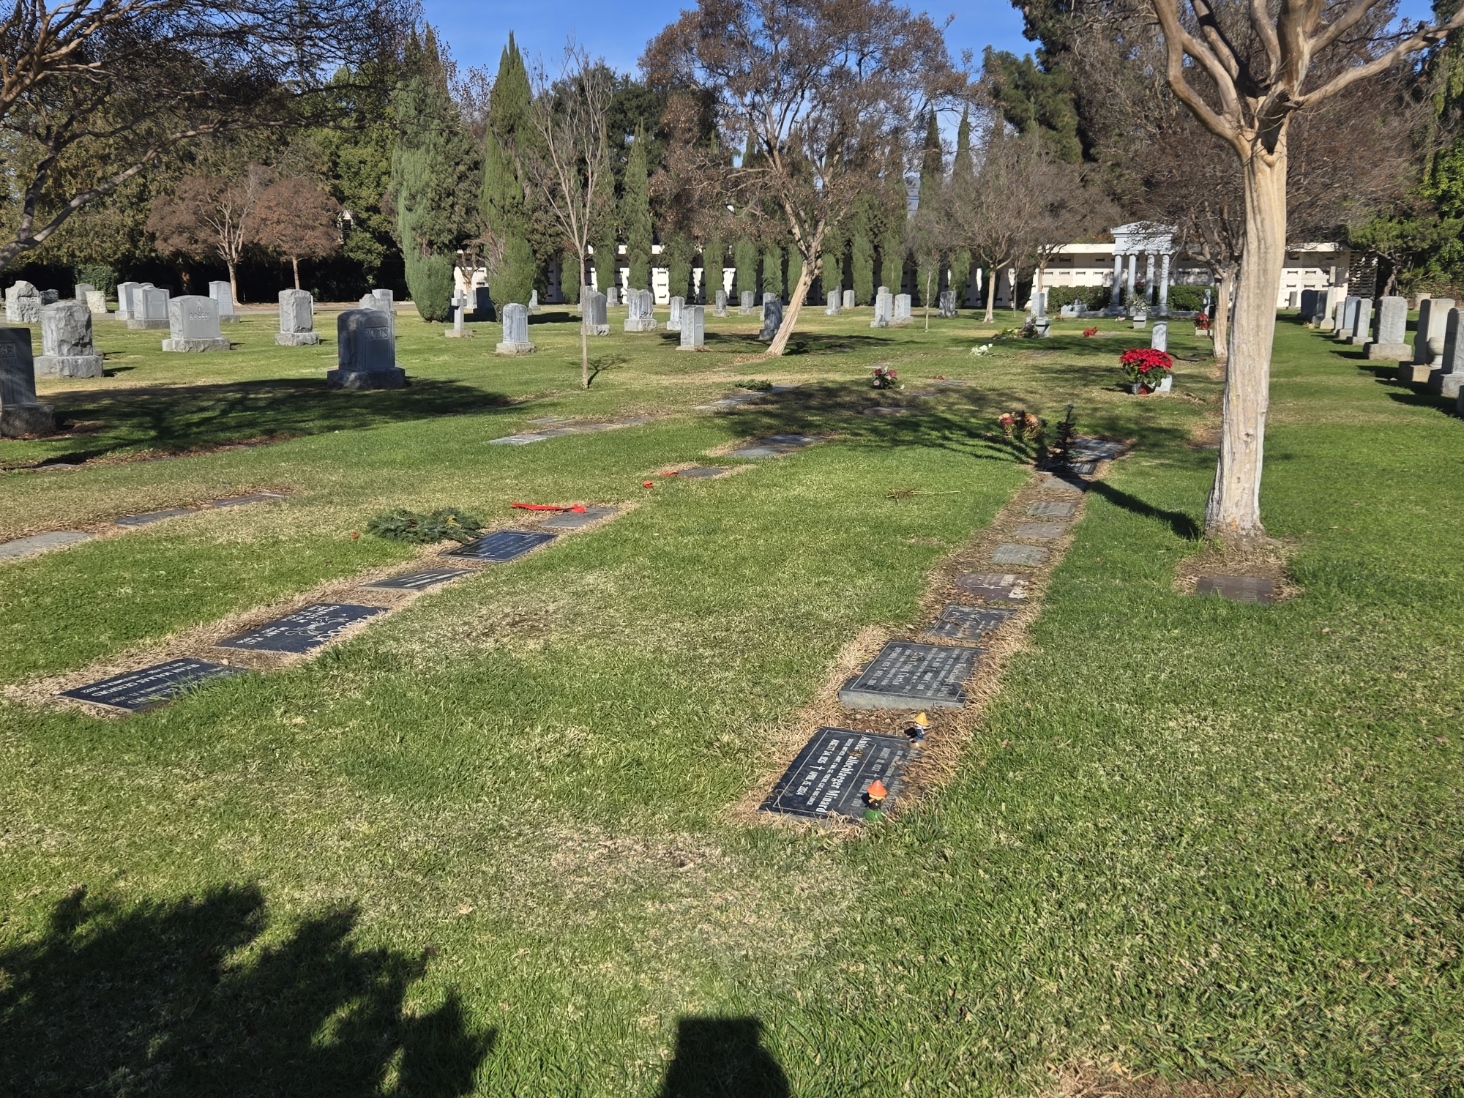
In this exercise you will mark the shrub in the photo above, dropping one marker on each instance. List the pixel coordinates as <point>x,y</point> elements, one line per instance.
<point>429,278</point>
<point>1093,297</point>
<point>98,275</point>
<point>1186,299</point>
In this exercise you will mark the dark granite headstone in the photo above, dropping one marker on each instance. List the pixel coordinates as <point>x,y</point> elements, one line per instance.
<point>151,686</point>
<point>417,581</point>
<point>907,675</point>
<point>1052,510</point>
<point>502,545</point>
<point>573,520</point>
<point>304,630</point>
<point>833,771</point>
<point>968,622</point>
<point>1256,589</point>
<point>997,587</point>
<point>147,518</point>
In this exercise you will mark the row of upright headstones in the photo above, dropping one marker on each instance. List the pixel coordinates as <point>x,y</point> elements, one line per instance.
<point>1435,358</point>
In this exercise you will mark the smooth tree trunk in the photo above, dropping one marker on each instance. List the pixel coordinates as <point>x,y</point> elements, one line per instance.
<point>1220,328</point>
<point>233,282</point>
<point>295,266</point>
<point>810,271</point>
<point>1234,509</point>
<point>991,300</point>
<point>927,302</point>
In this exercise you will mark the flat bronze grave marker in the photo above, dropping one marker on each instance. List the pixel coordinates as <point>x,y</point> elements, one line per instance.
<point>573,520</point>
<point>773,446</point>
<point>240,501</point>
<point>1063,485</point>
<point>1012,553</point>
<point>908,675</point>
<point>137,690</point>
<point>831,775</point>
<point>968,622</point>
<point>1052,510</point>
<point>697,472</point>
<point>417,581</point>
<point>1042,531</point>
<point>999,587</point>
<point>304,630</point>
<point>502,545</point>
<point>1253,589</point>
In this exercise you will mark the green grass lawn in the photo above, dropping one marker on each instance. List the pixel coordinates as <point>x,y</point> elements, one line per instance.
<point>489,845</point>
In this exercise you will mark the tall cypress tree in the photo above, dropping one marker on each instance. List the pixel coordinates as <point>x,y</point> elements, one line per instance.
<point>894,210</point>
<point>504,207</point>
<point>635,215</point>
<point>607,257</point>
<point>861,255</point>
<point>772,270</point>
<point>961,170</point>
<point>714,260</point>
<point>932,179</point>
<point>429,158</point>
<point>795,272</point>
<point>676,252</point>
<point>746,260</point>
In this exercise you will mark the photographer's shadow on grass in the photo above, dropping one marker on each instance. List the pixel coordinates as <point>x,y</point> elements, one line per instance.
<point>198,997</point>
<point>717,1057</point>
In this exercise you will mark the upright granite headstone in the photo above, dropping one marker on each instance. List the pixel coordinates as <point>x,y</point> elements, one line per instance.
<point>20,412</point>
<point>1159,337</point>
<point>124,299</point>
<point>746,302</point>
<point>673,323</point>
<point>1350,305</point>
<point>719,307</point>
<point>483,304</point>
<point>1308,305</point>
<point>832,307</point>
<point>848,299</point>
<point>533,301</point>
<point>884,309</point>
<point>948,304</point>
<point>193,324</point>
<point>82,289</point>
<point>1392,334</point>
<point>223,295</point>
<point>23,304</point>
<point>772,318</point>
<point>902,311</point>
<point>1428,343</point>
<point>150,308</point>
<point>641,315</point>
<point>365,352</point>
<point>1446,380</point>
<point>1361,322</point>
<point>693,328</point>
<point>96,302</point>
<point>596,319</point>
<point>135,300</point>
<point>297,320</point>
<point>612,297</point>
<point>515,331</point>
<point>66,342</point>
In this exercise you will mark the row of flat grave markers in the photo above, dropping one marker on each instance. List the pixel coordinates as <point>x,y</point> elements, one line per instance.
<point>312,626</point>
<point>832,775</point>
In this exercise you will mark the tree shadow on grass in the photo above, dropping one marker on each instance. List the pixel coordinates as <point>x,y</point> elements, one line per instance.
<point>722,1057</point>
<point>1180,524</point>
<point>182,419</point>
<point>191,998</point>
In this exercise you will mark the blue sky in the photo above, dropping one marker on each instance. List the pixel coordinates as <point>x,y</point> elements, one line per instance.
<point>618,32</point>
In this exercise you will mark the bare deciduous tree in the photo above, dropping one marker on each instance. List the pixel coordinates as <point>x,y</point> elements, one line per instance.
<point>1245,78</point>
<point>211,216</point>
<point>823,89</point>
<point>568,162</point>
<point>297,220</point>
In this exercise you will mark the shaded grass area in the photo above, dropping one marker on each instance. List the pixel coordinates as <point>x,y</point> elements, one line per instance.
<point>489,837</point>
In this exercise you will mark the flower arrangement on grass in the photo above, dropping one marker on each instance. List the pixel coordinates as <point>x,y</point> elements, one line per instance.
<point>982,350</point>
<point>1146,367</point>
<point>1202,322</point>
<point>1089,333</point>
<point>885,377</point>
<point>1021,423</point>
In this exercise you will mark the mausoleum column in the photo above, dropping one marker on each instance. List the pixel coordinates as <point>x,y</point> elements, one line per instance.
<point>1164,283</point>
<point>1148,275</point>
<point>1117,275</point>
<point>1128,282</point>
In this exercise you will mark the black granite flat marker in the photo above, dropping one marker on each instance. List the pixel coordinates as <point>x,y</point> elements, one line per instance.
<point>998,587</point>
<point>968,622</point>
<point>502,545</point>
<point>907,675</point>
<point>1094,449</point>
<point>417,581</point>
<point>1083,468</point>
<point>700,471</point>
<point>773,446</point>
<point>240,501</point>
<point>832,772</point>
<point>1052,510</point>
<point>304,630</point>
<point>152,685</point>
<point>1256,589</point>
<point>573,520</point>
<point>149,517</point>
